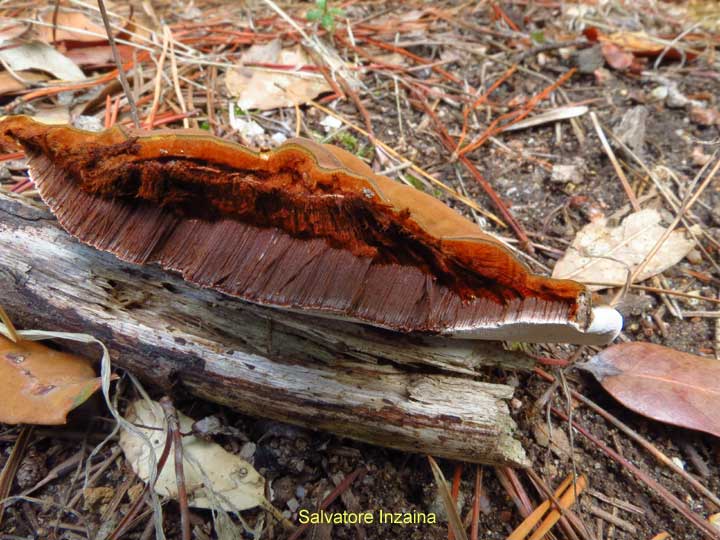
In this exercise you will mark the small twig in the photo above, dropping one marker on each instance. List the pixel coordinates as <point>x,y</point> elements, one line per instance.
<point>687,204</point>
<point>475,523</point>
<point>646,479</point>
<point>451,146</point>
<point>455,492</point>
<point>118,63</point>
<point>7,476</point>
<point>616,165</point>
<point>652,449</point>
<point>7,321</point>
<point>167,35</point>
<point>173,427</point>
<point>514,490</point>
<point>158,83</point>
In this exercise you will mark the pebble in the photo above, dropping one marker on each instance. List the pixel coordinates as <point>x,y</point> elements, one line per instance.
<point>563,174</point>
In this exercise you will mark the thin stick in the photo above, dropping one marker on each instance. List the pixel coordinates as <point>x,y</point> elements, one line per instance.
<point>167,35</point>
<point>618,170</point>
<point>455,491</point>
<point>702,525</point>
<point>685,207</point>
<point>118,63</point>
<point>475,523</point>
<point>7,321</point>
<point>173,432</point>
<point>654,451</point>
<point>158,83</point>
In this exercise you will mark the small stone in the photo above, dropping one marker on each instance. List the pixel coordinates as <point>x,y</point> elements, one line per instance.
<point>631,130</point>
<point>705,116</point>
<point>679,462</point>
<point>695,257</point>
<point>659,93</point>
<point>300,492</point>
<point>699,157</point>
<point>588,60</point>
<point>330,123</point>
<point>293,504</point>
<point>278,138</point>
<point>563,174</point>
<point>32,469</point>
<point>283,489</point>
<point>247,452</point>
<point>88,123</point>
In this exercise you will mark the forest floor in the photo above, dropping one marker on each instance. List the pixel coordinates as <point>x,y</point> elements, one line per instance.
<point>439,83</point>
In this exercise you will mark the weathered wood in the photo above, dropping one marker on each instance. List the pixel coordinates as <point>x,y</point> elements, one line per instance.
<point>407,392</point>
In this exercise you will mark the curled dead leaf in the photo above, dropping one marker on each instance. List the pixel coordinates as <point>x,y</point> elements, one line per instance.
<point>601,256</point>
<point>214,477</point>
<point>616,57</point>
<point>41,385</point>
<point>661,383</point>
<point>262,87</point>
<point>640,44</point>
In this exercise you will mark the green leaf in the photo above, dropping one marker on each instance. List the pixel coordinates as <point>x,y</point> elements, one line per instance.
<point>321,4</point>
<point>328,22</point>
<point>538,36</point>
<point>314,15</point>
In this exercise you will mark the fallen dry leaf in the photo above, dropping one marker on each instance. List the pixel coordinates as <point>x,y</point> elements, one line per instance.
<point>555,438</point>
<point>661,383</point>
<point>639,44</point>
<point>264,88</point>
<point>98,56</point>
<point>40,385</point>
<point>214,477</point>
<point>87,30</point>
<point>41,57</point>
<point>10,85</point>
<point>705,116</point>
<point>616,57</point>
<point>601,256</point>
<point>11,28</point>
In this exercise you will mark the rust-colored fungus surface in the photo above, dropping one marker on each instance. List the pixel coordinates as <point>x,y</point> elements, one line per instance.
<point>305,226</point>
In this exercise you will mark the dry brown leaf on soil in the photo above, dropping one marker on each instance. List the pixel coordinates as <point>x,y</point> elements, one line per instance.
<point>11,28</point>
<point>39,385</point>
<point>99,56</point>
<point>639,44</point>
<point>661,383</point>
<point>11,85</point>
<point>617,57</point>
<point>87,31</point>
<point>40,56</point>
<point>602,256</point>
<point>214,477</point>
<point>265,88</point>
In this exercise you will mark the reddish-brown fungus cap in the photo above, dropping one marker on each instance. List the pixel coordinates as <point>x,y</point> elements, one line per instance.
<point>305,226</point>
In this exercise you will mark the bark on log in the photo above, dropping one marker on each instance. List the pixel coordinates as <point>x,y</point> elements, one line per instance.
<point>406,392</point>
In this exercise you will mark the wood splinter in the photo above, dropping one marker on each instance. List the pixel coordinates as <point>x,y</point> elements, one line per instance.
<point>305,227</point>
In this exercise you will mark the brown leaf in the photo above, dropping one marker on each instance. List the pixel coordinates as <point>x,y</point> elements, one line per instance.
<point>72,26</point>
<point>264,88</point>
<point>602,256</point>
<point>661,383</point>
<point>40,385</point>
<point>616,57</point>
<point>639,44</point>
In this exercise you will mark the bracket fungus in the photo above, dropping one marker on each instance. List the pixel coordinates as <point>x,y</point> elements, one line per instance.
<point>306,227</point>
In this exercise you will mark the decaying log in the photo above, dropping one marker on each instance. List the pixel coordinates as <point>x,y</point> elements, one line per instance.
<point>403,391</point>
